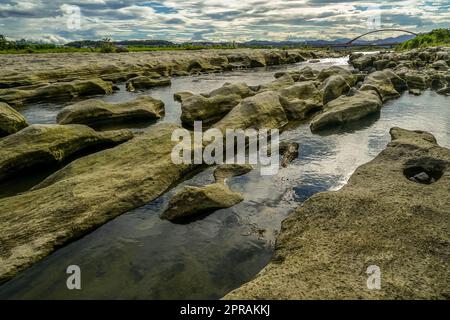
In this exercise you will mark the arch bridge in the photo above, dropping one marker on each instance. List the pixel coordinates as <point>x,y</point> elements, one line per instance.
<point>379,30</point>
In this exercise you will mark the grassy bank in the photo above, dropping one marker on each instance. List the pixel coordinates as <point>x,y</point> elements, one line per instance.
<point>438,37</point>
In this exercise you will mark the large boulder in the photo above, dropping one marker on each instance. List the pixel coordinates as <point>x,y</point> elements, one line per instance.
<point>11,121</point>
<point>399,83</point>
<point>39,145</point>
<point>301,99</point>
<point>143,83</point>
<point>262,111</point>
<point>382,84</point>
<point>182,95</point>
<point>363,62</point>
<point>94,112</point>
<point>440,65</point>
<point>211,107</point>
<point>415,80</point>
<point>241,89</point>
<point>200,65</point>
<point>246,60</point>
<point>288,152</point>
<point>326,73</point>
<point>443,56</point>
<point>208,110</point>
<point>192,201</point>
<point>274,58</point>
<point>337,242</point>
<point>256,60</point>
<point>436,80</point>
<point>333,87</point>
<point>61,91</point>
<point>304,74</point>
<point>346,109</point>
<point>84,195</point>
<point>283,81</point>
<point>381,64</point>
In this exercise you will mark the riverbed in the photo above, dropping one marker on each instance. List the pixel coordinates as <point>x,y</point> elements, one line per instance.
<point>139,256</point>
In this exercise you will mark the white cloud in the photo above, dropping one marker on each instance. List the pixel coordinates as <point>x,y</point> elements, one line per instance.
<point>180,20</point>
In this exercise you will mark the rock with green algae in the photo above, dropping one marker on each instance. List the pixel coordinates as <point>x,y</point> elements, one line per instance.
<point>211,107</point>
<point>182,95</point>
<point>300,99</point>
<point>94,111</point>
<point>84,195</point>
<point>61,91</point>
<point>346,109</point>
<point>239,88</point>
<point>207,109</point>
<point>380,218</point>
<point>143,83</point>
<point>326,73</point>
<point>380,82</point>
<point>51,144</point>
<point>191,201</point>
<point>278,83</point>
<point>11,121</point>
<point>333,87</point>
<point>261,111</point>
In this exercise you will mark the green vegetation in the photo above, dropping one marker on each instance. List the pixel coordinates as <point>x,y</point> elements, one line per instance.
<point>438,37</point>
<point>24,46</point>
<point>108,46</point>
<point>104,46</point>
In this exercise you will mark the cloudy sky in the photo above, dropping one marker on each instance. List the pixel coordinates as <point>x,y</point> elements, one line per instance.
<point>214,20</point>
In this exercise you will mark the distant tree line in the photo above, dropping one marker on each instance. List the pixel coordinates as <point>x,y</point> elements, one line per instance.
<point>23,44</point>
<point>100,43</point>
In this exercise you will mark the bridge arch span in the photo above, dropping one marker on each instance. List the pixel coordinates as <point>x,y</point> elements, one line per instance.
<point>380,30</point>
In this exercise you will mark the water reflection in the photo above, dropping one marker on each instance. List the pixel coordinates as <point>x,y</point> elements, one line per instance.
<point>139,256</point>
<point>46,112</point>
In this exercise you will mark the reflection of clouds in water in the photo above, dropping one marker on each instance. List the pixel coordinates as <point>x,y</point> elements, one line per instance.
<point>46,113</point>
<point>429,112</point>
<point>209,257</point>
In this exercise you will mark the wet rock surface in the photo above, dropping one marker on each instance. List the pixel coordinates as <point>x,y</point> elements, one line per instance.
<point>347,109</point>
<point>193,201</point>
<point>96,188</point>
<point>95,112</point>
<point>11,121</point>
<point>300,99</point>
<point>211,107</point>
<point>262,111</point>
<point>334,87</point>
<point>62,91</point>
<point>20,72</point>
<point>143,83</point>
<point>288,151</point>
<point>326,246</point>
<point>40,145</point>
<point>84,195</point>
<point>382,84</point>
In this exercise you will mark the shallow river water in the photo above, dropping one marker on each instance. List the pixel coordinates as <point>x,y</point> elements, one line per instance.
<point>139,256</point>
